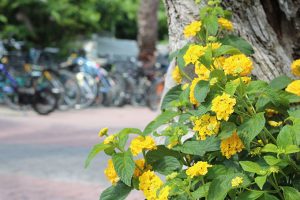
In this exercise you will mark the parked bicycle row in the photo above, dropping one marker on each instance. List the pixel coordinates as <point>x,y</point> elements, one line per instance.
<point>35,78</point>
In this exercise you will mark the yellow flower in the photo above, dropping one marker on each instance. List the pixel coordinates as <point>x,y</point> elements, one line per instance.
<point>192,29</point>
<point>202,72</point>
<point>198,169</point>
<point>176,75</point>
<point>232,145</point>
<point>193,99</point>
<point>193,54</point>
<point>225,23</point>
<point>149,184</point>
<point>237,181</point>
<point>270,112</point>
<point>245,80</point>
<point>296,67</point>
<point>206,125</point>
<point>214,45</point>
<point>164,193</point>
<point>274,124</point>
<point>294,87</point>
<point>238,65</point>
<point>140,166</point>
<point>219,62</point>
<point>110,173</point>
<point>185,86</point>
<point>172,144</point>
<point>109,139</point>
<point>223,106</point>
<point>102,132</point>
<point>139,143</point>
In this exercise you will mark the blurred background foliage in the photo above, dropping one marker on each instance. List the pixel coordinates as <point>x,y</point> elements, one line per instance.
<point>57,22</point>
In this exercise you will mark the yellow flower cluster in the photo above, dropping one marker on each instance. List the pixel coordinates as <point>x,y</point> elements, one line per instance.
<point>164,193</point>
<point>214,45</point>
<point>232,145</point>
<point>238,65</point>
<point>176,75</point>
<point>193,99</point>
<point>294,87</point>
<point>237,181</point>
<point>274,123</point>
<point>244,79</point>
<point>103,132</point>
<point>219,62</point>
<point>109,139</point>
<point>111,173</point>
<point>140,167</point>
<point>296,67</point>
<point>193,54</point>
<point>201,71</point>
<point>198,169</point>
<point>223,106</point>
<point>192,29</point>
<point>149,184</point>
<point>139,143</point>
<point>225,23</point>
<point>206,125</point>
<point>271,112</point>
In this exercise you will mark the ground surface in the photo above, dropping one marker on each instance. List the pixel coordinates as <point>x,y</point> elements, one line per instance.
<point>41,158</point>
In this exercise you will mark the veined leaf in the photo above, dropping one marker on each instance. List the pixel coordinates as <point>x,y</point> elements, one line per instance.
<point>124,166</point>
<point>95,150</point>
<point>172,95</point>
<point>201,90</point>
<point>116,192</point>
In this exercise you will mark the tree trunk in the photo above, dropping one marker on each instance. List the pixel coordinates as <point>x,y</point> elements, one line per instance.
<point>271,26</point>
<point>147,31</point>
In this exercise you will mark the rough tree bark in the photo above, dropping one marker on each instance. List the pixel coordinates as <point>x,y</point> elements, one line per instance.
<point>271,26</point>
<point>147,31</point>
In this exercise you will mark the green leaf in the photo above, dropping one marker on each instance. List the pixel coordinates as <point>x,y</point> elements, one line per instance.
<point>231,87</point>
<point>250,195</point>
<point>286,137</point>
<point>267,196</point>
<point>171,96</point>
<point>292,149</point>
<point>211,24</point>
<point>199,147</point>
<point>116,192</point>
<point>159,153</point>
<point>201,192</point>
<point>260,181</point>
<point>252,167</point>
<point>124,166</point>
<point>201,90</point>
<point>206,59</point>
<point>255,87</point>
<point>166,165</point>
<point>226,49</point>
<point>294,113</point>
<point>227,128</point>
<point>219,170</point>
<point>221,185</point>
<point>251,128</point>
<point>219,74</point>
<point>123,135</point>
<point>290,193</point>
<point>280,82</point>
<point>163,118</point>
<point>95,150</point>
<point>238,43</point>
<point>271,160</point>
<point>270,148</point>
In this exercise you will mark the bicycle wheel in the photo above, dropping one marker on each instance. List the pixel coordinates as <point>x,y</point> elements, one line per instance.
<point>45,101</point>
<point>88,88</point>
<point>72,92</point>
<point>118,91</point>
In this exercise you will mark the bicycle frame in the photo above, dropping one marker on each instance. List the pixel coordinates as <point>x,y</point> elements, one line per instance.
<point>7,75</point>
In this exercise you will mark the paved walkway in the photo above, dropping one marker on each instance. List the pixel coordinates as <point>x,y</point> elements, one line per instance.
<point>42,157</point>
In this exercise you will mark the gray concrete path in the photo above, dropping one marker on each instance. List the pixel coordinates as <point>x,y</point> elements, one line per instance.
<point>42,157</point>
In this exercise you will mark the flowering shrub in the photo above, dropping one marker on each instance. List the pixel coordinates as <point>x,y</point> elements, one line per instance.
<point>226,136</point>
